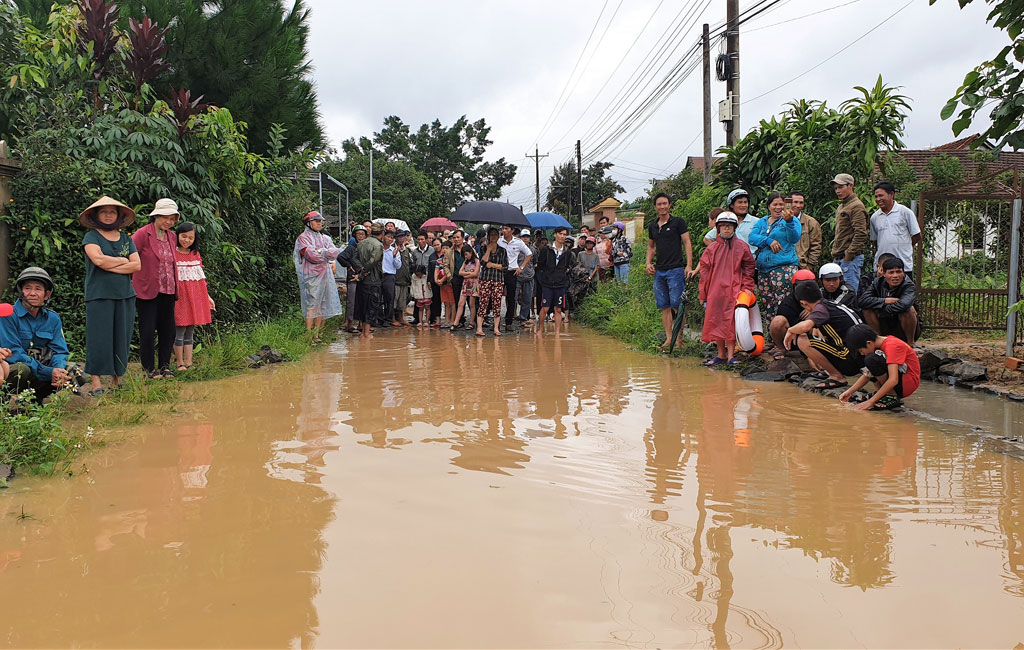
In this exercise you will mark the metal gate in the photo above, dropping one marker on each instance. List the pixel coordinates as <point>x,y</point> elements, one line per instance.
<point>967,265</point>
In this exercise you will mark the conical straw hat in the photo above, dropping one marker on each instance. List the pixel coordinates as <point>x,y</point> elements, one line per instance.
<point>127,215</point>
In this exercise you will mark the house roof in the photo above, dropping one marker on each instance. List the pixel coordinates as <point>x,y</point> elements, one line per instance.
<point>697,162</point>
<point>960,149</point>
<point>607,202</point>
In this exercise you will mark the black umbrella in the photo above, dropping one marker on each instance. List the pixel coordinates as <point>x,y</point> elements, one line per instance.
<point>492,212</point>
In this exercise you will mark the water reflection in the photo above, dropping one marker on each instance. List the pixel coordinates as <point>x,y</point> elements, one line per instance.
<point>180,538</point>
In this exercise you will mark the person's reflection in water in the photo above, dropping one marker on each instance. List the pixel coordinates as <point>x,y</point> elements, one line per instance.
<point>725,452</point>
<point>488,443</point>
<point>195,456</point>
<point>665,440</point>
<point>1010,514</point>
<point>552,387</point>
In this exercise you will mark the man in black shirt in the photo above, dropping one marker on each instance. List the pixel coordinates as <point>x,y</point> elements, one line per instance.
<point>821,336</point>
<point>553,264</point>
<point>666,238</point>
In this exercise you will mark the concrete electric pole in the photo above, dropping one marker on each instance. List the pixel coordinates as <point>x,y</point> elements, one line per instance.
<point>579,176</point>
<point>732,84</point>
<point>536,159</point>
<point>706,42</point>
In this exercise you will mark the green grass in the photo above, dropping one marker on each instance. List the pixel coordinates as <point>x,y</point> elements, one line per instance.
<point>628,313</point>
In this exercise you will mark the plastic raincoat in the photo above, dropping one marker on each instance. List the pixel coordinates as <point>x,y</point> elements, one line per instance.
<point>318,290</point>
<point>726,269</point>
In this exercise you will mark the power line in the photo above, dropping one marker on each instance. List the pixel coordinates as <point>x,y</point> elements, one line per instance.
<point>796,18</point>
<point>585,68</point>
<point>574,67</point>
<point>824,61</point>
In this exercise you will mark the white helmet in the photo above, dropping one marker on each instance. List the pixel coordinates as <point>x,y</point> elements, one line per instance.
<point>830,270</point>
<point>726,217</point>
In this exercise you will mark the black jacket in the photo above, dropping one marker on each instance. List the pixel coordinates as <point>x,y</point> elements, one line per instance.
<point>554,271</point>
<point>874,297</point>
<point>348,258</point>
<point>844,296</point>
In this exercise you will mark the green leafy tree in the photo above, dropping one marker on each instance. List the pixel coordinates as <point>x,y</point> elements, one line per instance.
<point>1000,80</point>
<point>563,196</point>
<point>874,121</point>
<point>450,156</point>
<point>400,191</point>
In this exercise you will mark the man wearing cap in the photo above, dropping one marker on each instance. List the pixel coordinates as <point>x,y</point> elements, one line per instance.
<point>526,279</point>
<point>808,249</point>
<point>518,255</point>
<point>894,226</point>
<point>390,263</point>
<point>403,278</point>
<point>370,253</point>
<point>34,338</point>
<point>834,288</point>
<point>851,230</point>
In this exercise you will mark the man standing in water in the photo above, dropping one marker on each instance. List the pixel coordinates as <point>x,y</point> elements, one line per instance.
<point>519,254</point>
<point>553,268</point>
<point>666,237</point>
<point>370,253</point>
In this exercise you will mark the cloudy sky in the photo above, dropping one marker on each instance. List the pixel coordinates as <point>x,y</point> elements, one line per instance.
<point>510,62</point>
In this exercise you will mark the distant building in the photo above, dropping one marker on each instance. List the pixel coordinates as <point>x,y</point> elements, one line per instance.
<point>918,159</point>
<point>606,207</point>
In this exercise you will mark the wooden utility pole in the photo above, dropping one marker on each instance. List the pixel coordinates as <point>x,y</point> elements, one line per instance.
<point>706,42</point>
<point>732,84</point>
<point>579,176</point>
<point>536,159</point>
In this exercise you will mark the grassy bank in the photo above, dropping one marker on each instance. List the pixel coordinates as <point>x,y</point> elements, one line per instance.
<point>44,439</point>
<point>628,313</point>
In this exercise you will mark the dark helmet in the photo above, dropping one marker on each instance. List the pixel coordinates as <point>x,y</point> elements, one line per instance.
<point>34,273</point>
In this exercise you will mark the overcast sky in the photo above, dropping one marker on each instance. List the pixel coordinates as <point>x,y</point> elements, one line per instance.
<point>508,62</point>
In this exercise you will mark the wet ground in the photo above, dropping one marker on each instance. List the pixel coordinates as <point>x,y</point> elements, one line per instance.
<point>425,490</point>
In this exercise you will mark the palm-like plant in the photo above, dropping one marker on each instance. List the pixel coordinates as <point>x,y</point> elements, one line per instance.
<point>874,121</point>
<point>183,107</point>
<point>98,28</point>
<point>145,59</point>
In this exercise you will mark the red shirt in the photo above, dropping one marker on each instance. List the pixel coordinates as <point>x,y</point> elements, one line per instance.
<point>898,352</point>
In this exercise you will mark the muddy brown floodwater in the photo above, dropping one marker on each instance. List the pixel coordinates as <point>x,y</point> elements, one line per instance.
<point>425,490</point>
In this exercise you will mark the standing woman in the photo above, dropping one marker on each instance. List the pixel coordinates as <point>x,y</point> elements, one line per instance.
<point>194,302</point>
<point>493,263</point>
<point>352,277</point>
<point>156,288</point>
<point>318,291</point>
<point>110,259</point>
<point>775,238</point>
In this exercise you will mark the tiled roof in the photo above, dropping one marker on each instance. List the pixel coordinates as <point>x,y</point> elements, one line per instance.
<point>918,160</point>
<point>958,145</point>
<point>607,202</point>
<point>697,162</point>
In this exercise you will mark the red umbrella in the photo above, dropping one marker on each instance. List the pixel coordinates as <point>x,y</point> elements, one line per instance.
<point>439,224</point>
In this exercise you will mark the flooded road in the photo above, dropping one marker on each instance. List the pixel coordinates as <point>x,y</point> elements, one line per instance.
<point>429,490</point>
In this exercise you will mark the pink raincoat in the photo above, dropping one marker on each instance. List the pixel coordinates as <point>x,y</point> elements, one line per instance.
<point>726,269</point>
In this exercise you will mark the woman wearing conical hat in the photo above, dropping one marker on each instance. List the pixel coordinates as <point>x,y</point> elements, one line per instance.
<point>110,259</point>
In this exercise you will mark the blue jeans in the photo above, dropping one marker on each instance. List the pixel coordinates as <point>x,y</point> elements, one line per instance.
<point>622,273</point>
<point>525,298</point>
<point>669,287</point>
<point>851,271</point>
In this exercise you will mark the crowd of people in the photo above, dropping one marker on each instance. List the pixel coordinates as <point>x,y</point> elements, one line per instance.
<point>846,325</point>
<point>155,274</point>
<point>501,278</point>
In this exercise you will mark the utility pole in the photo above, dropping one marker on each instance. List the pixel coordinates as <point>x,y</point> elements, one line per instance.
<point>536,159</point>
<point>732,85</point>
<point>706,41</point>
<point>579,176</point>
<point>371,184</point>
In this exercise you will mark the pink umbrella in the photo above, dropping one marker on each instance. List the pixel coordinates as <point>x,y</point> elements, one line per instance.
<point>439,224</point>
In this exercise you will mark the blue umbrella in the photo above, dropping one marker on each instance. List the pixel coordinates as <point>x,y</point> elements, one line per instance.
<point>547,220</point>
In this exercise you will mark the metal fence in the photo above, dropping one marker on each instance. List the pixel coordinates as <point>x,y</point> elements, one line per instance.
<point>967,263</point>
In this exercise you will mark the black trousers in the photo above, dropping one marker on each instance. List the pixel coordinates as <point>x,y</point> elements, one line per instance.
<point>435,303</point>
<point>156,317</point>
<point>387,293</point>
<point>511,286</point>
<point>457,290</point>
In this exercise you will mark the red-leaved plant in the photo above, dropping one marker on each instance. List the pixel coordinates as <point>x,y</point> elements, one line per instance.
<point>146,60</point>
<point>184,107</point>
<point>99,19</point>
